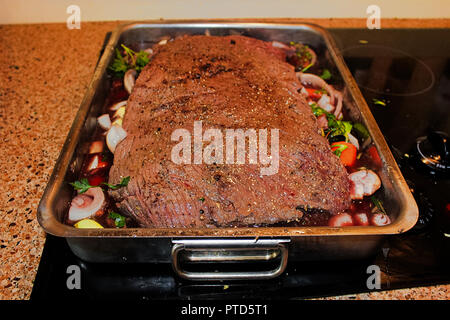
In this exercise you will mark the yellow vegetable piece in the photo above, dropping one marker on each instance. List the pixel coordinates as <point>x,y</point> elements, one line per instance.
<point>118,122</point>
<point>88,224</point>
<point>120,112</point>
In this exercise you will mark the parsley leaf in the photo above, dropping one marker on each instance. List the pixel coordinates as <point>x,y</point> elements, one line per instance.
<point>338,127</point>
<point>335,127</point>
<point>326,74</point>
<point>318,111</point>
<point>119,65</point>
<point>361,130</point>
<point>340,148</point>
<point>122,183</point>
<point>119,220</point>
<point>142,59</point>
<point>131,60</point>
<point>81,186</point>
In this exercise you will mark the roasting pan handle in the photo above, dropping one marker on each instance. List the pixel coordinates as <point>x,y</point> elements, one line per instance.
<point>229,250</point>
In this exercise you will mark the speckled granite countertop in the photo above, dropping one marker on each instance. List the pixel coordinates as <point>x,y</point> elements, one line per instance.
<point>45,70</point>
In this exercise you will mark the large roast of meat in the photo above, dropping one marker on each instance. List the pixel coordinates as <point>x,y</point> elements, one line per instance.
<point>231,82</point>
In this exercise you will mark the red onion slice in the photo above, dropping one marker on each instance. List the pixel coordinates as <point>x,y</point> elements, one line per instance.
<point>316,82</point>
<point>338,97</point>
<point>87,204</point>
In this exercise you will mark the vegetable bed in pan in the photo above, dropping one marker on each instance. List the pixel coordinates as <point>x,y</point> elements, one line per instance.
<point>327,170</point>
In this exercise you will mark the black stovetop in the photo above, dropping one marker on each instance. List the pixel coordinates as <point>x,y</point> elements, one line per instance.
<point>409,72</point>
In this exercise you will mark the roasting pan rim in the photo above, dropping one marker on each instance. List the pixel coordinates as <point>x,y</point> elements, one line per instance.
<point>405,220</point>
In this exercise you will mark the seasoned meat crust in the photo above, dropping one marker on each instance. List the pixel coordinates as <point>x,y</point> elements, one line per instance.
<point>227,83</point>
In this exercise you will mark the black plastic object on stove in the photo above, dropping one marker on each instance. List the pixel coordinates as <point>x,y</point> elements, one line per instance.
<point>409,70</point>
<point>434,151</point>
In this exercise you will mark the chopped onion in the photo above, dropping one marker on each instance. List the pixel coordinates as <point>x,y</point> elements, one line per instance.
<point>104,121</point>
<point>364,183</point>
<point>115,135</point>
<point>93,164</point>
<point>324,103</point>
<point>149,51</point>
<point>118,105</point>
<point>96,147</point>
<point>304,92</point>
<point>353,140</point>
<point>96,163</point>
<point>280,45</point>
<point>129,79</point>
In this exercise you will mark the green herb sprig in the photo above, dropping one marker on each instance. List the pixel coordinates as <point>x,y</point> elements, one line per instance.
<point>378,203</point>
<point>83,185</point>
<point>361,130</point>
<point>122,183</point>
<point>131,60</point>
<point>119,220</point>
<point>326,74</point>
<point>338,127</point>
<point>340,148</point>
<point>335,127</point>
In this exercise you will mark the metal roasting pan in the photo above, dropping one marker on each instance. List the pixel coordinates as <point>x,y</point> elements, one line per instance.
<point>183,248</point>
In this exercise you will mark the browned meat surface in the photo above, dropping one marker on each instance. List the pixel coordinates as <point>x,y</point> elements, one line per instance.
<point>226,82</point>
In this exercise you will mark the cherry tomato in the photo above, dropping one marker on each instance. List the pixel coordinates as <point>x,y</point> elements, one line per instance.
<point>314,94</point>
<point>348,155</point>
<point>96,180</point>
<point>372,152</point>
